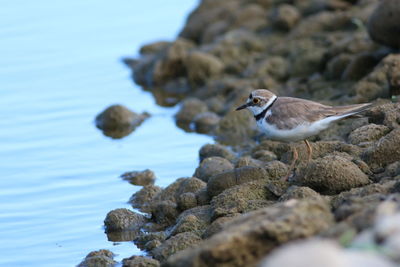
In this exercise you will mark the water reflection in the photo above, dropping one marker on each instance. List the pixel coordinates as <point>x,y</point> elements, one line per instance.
<point>60,67</point>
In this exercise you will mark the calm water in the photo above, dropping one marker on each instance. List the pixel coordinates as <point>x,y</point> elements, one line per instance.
<point>59,67</point>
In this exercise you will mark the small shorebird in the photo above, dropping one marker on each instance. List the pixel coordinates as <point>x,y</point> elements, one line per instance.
<point>292,119</point>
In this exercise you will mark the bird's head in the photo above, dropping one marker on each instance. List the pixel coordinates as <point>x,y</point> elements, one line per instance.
<point>258,100</point>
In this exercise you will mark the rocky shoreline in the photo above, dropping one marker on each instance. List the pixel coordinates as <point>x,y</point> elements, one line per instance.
<point>342,208</point>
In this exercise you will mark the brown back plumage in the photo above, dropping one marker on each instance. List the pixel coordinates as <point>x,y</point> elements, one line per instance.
<point>288,112</point>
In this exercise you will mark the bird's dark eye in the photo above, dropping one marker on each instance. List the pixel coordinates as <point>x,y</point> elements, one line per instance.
<point>256,100</point>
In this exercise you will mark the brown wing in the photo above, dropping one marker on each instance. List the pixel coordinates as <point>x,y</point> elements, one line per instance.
<point>288,112</point>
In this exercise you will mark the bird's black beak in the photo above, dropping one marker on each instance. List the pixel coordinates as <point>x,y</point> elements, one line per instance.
<point>243,106</point>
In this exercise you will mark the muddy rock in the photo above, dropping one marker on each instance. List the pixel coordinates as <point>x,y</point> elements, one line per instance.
<point>276,169</point>
<point>319,252</point>
<point>242,198</point>
<point>145,238</point>
<point>285,17</point>
<point>145,177</point>
<point>336,66</point>
<point>383,25</point>
<point>368,133</point>
<point>202,67</point>
<point>170,64</point>
<point>100,258</point>
<point>174,244</point>
<point>385,151</point>
<point>189,110</point>
<point>216,150</point>
<point>141,199</point>
<point>140,261</point>
<point>377,83</point>
<point>264,155</point>
<point>387,114</point>
<point>123,219</point>
<point>153,48</point>
<point>179,187</point>
<point>331,175</point>
<point>206,122</point>
<point>246,239</point>
<point>322,149</point>
<point>195,219</point>
<point>235,128</point>
<point>217,225</point>
<point>275,67</point>
<point>165,212</point>
<point>212,166</point>
<point>360,65</point>
<point>118,121</point>
<point>220,182</point>
<point>187,201</point>
<point>202,197</point>
<point>300,192</point>
<point>248,161</point>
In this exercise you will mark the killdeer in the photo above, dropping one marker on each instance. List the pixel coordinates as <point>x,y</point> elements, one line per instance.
<point>290,119</point>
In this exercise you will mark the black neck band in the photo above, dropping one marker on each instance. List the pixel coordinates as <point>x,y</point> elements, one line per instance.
<point>262,113</point>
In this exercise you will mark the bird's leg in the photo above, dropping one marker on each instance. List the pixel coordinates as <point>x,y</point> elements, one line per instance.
<point>309,150</point>
<point>295,157</point>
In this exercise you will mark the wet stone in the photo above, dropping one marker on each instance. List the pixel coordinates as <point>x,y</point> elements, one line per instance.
<point>145,177</point>
<point>212,166</point>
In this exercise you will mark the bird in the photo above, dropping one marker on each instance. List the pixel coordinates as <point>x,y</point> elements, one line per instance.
<point>290,119</point>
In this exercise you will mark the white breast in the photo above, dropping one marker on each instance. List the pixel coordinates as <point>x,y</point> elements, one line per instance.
<point>300,132</point>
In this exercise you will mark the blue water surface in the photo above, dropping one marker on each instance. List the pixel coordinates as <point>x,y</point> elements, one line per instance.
<point>59,67</point>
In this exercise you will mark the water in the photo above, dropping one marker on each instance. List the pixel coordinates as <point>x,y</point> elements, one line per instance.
<point>59,67</point>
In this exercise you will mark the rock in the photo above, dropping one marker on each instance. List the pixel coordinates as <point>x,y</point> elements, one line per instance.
<point>246,239</point>
<point>187,201</point>
<point>235,128</point>
<point>155,47</point>
<point>140,261</point>
<point>251,16</point>
<point>145,177</point>
<point>248,161</point>
<point>264,155</point>
<point>383,25</point>
<point>368,133</point>
<point>220,182</point>
<point>385,151</point>
<point>215,150</point>
<point>217,225</point>
<point>165,212</point>
<point>337,65</point>
<point>360,65</point>
<point>242,198</point>
<point>285,17</point>
<point>174,244</point>
<point>190,108</point>
<point>327,253</point>
<point>100,258</point>
<point>193,220</point>
<point>170,64</point>
<point>274,66</point>
<point>212,166</point>
<point>378,82</point>
<point>202,67</point>
<point>202,197</point>
<point>179,187</point>
<point>145,238</point>
<point>276,169</point>
<point>141,199</point>
<point>331,175</point>
<point>123,219</point>
<point>206,122</point>
<point>300,192</point>
<point>118,121</point>
<point>387,114</point>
